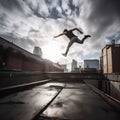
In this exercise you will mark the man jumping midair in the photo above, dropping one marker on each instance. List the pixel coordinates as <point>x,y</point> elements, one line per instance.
<point>73,38</point>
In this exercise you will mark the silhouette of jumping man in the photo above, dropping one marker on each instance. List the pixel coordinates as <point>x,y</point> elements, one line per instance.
<point>73,38</point>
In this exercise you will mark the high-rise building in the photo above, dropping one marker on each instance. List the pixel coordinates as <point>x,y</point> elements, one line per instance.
<point>74,65</point>
<point>64,67</point>
<point>111,58</point>
<point>91,64</point>
<point>37,51</point>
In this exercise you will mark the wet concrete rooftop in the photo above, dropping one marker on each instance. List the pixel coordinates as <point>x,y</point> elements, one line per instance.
<point>57,101</point>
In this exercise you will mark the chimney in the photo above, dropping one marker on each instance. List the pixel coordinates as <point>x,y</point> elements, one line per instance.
<point>37,51</point>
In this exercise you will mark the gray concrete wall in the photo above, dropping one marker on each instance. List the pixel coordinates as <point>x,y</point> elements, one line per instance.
<point>110,85</point>
<point>96,76</point>
<point>114,80</point>
<point>113,76</point>
<point>8,79</point>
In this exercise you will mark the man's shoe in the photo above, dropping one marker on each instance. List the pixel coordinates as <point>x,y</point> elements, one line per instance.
<point>64,54</point>
<point>86,36</point>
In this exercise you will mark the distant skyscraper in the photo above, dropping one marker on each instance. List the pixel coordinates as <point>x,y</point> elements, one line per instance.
<point>64,67</point>
<point>37,51</point>
<point>91,63</point>
<point>74,65</point>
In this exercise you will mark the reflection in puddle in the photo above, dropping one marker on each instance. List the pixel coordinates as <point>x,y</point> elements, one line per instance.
<point>58,104</point>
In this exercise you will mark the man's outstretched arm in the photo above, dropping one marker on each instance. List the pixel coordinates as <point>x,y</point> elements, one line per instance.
<point>60,35</point>
<point>77,30</point>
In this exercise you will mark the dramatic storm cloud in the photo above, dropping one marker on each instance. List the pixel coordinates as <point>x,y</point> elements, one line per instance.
<point>30,23</point>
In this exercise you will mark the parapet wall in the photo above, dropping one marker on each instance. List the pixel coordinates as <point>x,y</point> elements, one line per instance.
<point>8,79</point>
<point>109,85</point>
<point>114,84</point>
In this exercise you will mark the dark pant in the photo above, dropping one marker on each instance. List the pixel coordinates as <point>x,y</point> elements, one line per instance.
<point>74,39</point>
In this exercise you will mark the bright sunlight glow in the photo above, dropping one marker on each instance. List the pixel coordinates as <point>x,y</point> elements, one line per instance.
<point>52,51</point>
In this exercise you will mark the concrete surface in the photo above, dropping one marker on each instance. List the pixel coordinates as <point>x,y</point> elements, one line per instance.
<point>76,101</point>
<point>26,104</point>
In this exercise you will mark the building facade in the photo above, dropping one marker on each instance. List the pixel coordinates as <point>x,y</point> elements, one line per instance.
<point>37,51</point>
<point>111,58</point>
<point>91,64</point>
<point>64,67</point>
<point>12,57</point>
<point>73,65</point>
<point>110,66</point>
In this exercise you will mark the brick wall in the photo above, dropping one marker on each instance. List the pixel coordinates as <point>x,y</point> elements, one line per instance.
<point>14,61</point>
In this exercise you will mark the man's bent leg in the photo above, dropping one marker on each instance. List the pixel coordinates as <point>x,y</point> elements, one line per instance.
<point>68,47</point>
<point>85,37</point>
<point>82,41</point>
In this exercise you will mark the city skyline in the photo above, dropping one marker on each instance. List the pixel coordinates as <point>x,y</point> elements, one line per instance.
<point>34,23</point>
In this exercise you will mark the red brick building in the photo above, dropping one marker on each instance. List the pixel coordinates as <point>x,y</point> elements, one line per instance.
<point>111,58</point>
<point>13,57</point>
<point>110,65</point>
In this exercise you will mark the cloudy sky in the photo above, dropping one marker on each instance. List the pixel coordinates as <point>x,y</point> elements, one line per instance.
<point>30,23</point>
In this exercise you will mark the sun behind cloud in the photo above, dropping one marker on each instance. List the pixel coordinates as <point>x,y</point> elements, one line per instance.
<point>52,51</point>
